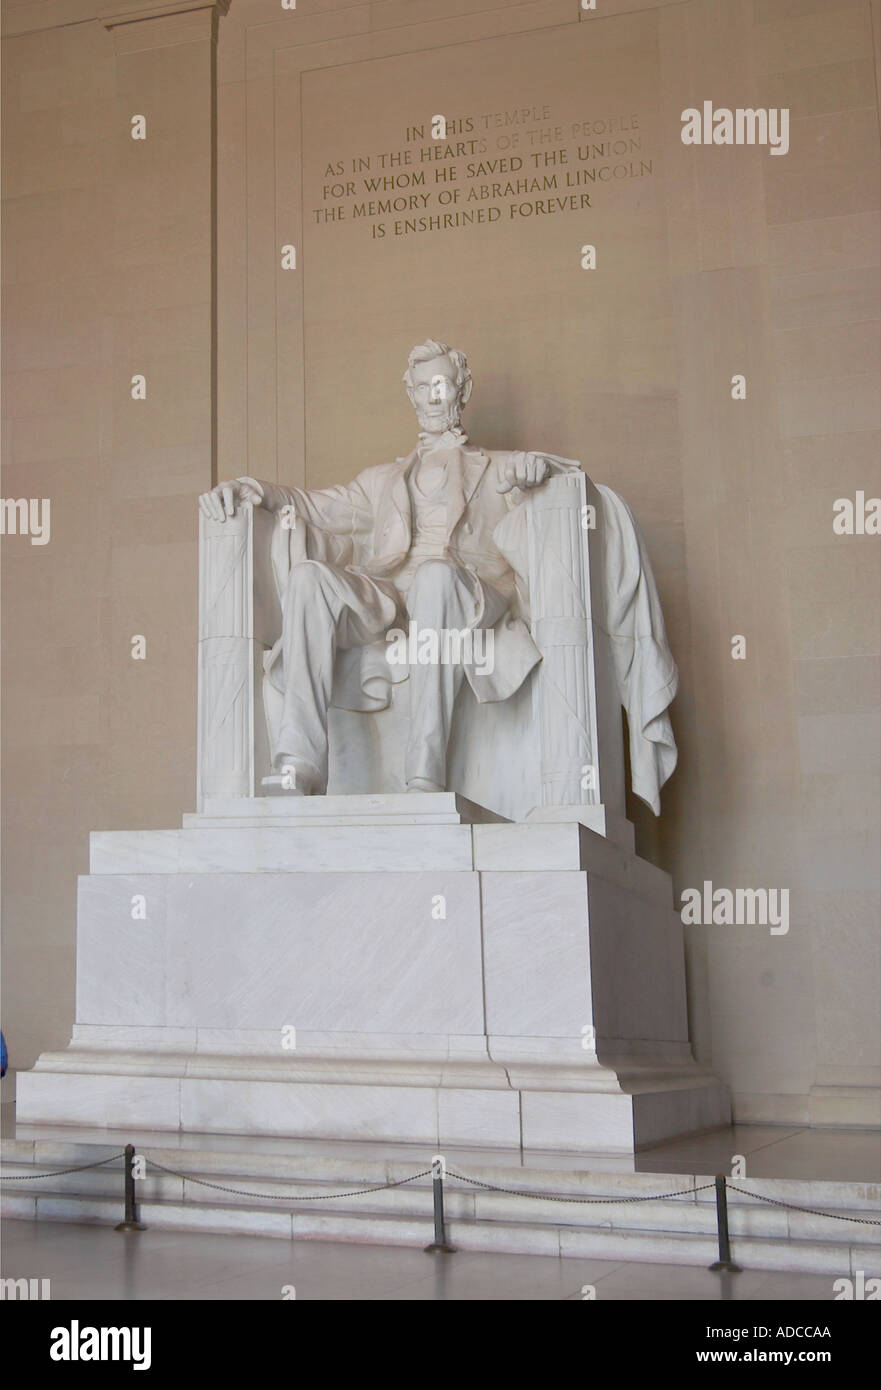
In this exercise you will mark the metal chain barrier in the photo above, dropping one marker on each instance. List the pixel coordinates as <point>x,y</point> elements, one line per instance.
<point>427,1173</point>
<point>809,1211</point>
<point>287,1196</point>
<point>441,1245</point>
<point>549,1197</point>
<point>31,1177</point>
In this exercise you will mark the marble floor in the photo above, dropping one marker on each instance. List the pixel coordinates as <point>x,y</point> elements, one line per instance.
<point>92,1262</point>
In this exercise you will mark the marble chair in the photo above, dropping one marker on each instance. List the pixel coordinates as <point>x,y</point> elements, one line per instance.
<point>553,751</point>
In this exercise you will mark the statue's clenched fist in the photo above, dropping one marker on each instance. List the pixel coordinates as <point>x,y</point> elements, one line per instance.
<point>524,470</point>
<point>221,501</point>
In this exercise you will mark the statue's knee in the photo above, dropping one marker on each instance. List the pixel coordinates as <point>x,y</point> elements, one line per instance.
<point>433,577</point>
<point>308,576</point>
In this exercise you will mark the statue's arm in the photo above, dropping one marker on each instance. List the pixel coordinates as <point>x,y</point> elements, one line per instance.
<point>342,510</point>
<point>224,500</point>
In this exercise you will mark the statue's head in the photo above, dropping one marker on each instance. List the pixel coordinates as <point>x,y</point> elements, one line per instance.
<point>438,383</point>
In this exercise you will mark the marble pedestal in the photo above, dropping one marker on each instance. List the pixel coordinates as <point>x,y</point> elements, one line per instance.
<point>389,967</point>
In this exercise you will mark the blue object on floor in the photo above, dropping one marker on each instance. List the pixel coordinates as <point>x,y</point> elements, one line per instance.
<point>4,1058</point>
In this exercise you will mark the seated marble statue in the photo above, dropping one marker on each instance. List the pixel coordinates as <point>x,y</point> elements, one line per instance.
<point>434,543</point>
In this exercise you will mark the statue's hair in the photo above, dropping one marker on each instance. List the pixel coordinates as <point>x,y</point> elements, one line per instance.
<point>432,348</point>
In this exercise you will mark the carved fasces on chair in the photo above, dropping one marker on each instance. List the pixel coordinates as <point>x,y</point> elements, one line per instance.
<point>578,714</point>
<point>238,618</point>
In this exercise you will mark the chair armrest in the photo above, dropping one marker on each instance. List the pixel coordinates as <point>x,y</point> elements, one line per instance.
<point>576,705</point>
<point>239,615</point>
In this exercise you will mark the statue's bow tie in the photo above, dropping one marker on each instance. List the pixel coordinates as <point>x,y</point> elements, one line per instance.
<point>450,439</point>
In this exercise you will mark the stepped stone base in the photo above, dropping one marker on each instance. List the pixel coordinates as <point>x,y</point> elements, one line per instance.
<point>399,968</point>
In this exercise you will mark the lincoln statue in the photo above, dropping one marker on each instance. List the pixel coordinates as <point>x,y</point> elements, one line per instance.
<point>433,543</point>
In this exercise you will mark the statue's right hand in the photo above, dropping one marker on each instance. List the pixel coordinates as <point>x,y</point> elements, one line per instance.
<point>221,501</point>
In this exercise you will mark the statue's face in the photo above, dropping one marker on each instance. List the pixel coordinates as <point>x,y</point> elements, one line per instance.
<point>435,396</point>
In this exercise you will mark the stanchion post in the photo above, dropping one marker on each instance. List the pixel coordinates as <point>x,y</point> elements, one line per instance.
<point>724,1261</point>
<point>439,1245</point>
<point>130,1222</point>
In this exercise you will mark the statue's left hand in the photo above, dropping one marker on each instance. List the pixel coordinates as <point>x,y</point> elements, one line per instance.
<point>524,470</point>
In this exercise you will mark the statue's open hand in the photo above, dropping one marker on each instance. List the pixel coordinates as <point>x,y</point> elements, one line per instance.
<point>524,470</point>
<point>221,501</point>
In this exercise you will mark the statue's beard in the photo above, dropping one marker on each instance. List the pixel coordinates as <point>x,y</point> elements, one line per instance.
<point>439,417</point>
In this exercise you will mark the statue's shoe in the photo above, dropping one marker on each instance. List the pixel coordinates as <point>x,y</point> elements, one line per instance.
<point>291,781</point>
<point>280,784</point>
<point>422,784</point>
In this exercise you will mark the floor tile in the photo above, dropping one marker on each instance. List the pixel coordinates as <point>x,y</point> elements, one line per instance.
<point>94,1262</point>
